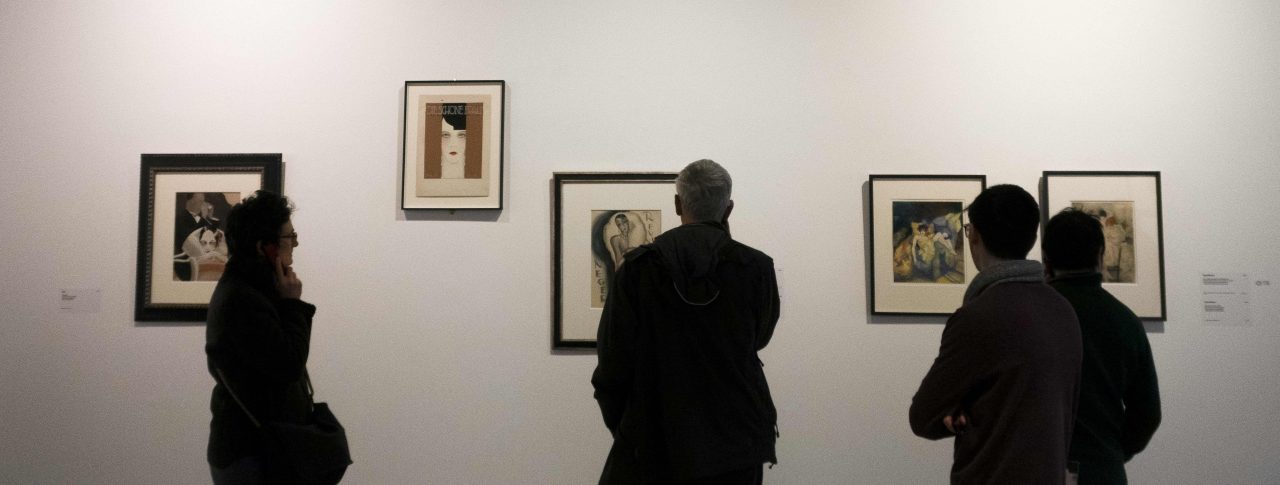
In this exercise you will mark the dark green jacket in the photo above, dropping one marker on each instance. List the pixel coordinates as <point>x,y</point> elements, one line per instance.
<point>1119,396</point>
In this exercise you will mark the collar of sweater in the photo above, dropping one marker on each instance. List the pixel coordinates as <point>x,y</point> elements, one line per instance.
<point>1014,271</point>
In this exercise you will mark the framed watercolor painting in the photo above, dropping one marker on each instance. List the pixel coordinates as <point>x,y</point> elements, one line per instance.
<point>182,246</point>
<point>919,262</point>
<point>1128,206</point>
<point>452,145</point>
<point>596,219</point>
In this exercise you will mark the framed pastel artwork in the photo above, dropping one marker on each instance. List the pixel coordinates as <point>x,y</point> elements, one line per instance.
<point>1127,204</point>
<point>919,262</point>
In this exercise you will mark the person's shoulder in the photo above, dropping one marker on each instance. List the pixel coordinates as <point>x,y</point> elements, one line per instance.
<point>1122,317</point>
<point>1119,310</point>
<point>638,261</point>
<point>642,252</point>
<point>232,289</point>
<point>749,254</point>
<point>1013,298</point>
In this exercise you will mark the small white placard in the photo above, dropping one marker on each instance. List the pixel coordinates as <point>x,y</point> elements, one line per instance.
<point>80,300</point>
<point>1263,299</point>
<point>1225,299</point>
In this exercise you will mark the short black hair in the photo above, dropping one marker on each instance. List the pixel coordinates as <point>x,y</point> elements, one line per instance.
<point>455,114</point>
<point>1072,240</point>
<point>1007,218</point>
<point>257,218</point>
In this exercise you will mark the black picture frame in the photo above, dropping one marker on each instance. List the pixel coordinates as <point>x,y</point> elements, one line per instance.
<point>430,184</point>
<point>163,178</point>
<point>1145,293</point>
<point>573,325</point>
<point>886,295</point>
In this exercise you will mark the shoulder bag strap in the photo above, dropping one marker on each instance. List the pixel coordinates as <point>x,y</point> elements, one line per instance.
<point>252,419</point>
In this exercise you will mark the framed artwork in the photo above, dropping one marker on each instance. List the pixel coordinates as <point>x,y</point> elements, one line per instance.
<point>596,219</point>
<point>452,152</point>
<point>919,262</point>
<point>1128,206</point>
<point>182,246</point>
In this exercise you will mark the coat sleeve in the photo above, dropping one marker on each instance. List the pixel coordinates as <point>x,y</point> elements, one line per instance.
<point>271,340</point>
<point>955,373</point>
<point>771,307</point>
<point>615,351</point>
<point>1141,397</point>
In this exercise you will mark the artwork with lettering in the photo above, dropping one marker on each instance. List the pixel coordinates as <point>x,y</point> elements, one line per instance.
<point>597,219</point>
<point>614,233</point>
<point>452,145</point>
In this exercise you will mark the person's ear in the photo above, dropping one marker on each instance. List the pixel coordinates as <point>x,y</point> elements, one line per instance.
<point>679,206</point>
<point>727,211</point>
<point>258,245</point>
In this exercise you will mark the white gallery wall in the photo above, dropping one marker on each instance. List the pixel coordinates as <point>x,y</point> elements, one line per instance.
<point>432,340</point>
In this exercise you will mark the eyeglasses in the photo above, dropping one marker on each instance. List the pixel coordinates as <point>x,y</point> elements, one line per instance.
<point>292,235</point>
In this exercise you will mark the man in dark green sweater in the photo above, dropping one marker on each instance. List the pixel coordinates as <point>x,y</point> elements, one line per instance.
<point>1119,407</point>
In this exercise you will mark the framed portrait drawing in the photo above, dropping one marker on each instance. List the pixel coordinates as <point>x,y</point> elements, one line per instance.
<point>452,152</point>
<point>1128,206</point>
<point>919,262</point>
<point>596,219</point>
<point>182,244</point>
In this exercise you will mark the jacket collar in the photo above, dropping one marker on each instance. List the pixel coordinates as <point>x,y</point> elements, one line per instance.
<point>1077,279</point>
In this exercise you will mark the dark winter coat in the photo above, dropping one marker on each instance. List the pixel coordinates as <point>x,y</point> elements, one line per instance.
<point>679,382</point>
<point>260,342</point>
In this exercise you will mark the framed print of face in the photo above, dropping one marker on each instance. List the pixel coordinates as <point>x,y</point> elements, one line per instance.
<point>452,145</point>
<point>920,263</point>
<point>182,245</point>
<point>1127,204</point>
<point>597,219</point>
<point>613,234</point>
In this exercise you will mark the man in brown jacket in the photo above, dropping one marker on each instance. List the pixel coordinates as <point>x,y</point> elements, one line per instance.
<point>1007,374</point>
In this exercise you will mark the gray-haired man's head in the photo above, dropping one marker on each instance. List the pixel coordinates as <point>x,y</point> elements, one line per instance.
<point>704,188</point>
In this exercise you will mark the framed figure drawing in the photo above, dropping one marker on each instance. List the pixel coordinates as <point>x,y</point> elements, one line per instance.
<point>596,219</point>
<point>452,152</point>
<point>919,262</point>
<point>182,246</point>
<point>1128,206</point>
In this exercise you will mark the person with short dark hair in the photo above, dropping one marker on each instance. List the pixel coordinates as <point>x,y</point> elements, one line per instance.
<point>679,381</point>
<point>1005,381</point>
<point>1119,407</point>
<point>257,340</point>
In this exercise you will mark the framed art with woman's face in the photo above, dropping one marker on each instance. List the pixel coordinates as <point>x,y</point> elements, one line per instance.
<point>453,132</point>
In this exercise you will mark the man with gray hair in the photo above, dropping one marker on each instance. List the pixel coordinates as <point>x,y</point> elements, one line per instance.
<point>679,381</point>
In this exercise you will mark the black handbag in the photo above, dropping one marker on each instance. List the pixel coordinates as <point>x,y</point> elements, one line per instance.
<point>312,453</point>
